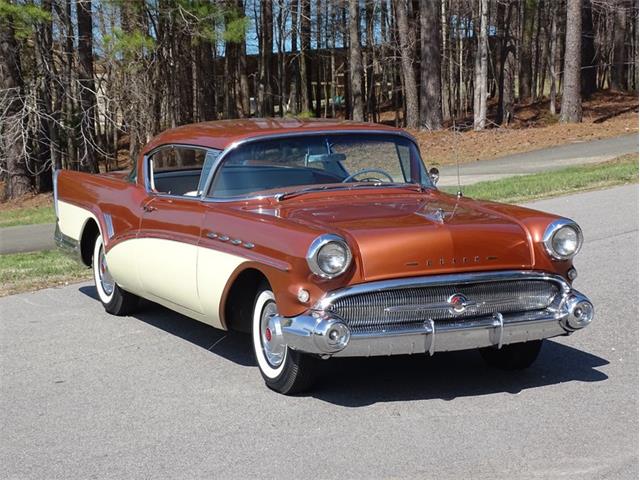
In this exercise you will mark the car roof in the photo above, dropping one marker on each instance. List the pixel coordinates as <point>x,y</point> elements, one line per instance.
<point>222,133</point>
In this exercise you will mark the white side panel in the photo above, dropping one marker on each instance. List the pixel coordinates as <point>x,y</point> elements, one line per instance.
<point>167,269</point>
<point>72,219</point>
<point>180,276</point>
<point>122,262</point>
<point>214,270</point>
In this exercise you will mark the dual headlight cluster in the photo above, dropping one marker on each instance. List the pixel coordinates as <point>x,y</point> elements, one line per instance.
<point>562,239</point>
<point>329,256</point>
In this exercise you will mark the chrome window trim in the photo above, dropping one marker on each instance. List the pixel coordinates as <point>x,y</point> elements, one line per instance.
<point>145,169</point>
<point>550,231</point>
<point>434,280</point>
<point>315,247</point>
<point>214,169</point>
<point>56,173</point>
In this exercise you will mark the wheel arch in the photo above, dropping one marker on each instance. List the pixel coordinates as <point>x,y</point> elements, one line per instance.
<point>236,305</point>
<point>90,232</point>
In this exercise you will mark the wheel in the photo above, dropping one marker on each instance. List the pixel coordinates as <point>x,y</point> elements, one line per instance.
<point>516,356</point>
<point>115,300</point>
<point>283,370</point>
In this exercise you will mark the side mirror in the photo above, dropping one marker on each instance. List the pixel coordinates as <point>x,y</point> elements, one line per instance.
<point>434,175</point>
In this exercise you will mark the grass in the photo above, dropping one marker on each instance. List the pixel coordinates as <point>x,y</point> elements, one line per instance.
<point>619,171</point>
<point>27,216</point>
<point>22,272</point>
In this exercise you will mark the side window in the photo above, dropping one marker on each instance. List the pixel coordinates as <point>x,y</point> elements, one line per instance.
<point>178,170</point>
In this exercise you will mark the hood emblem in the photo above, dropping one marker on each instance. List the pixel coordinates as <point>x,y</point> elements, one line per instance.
<point>458,304</point>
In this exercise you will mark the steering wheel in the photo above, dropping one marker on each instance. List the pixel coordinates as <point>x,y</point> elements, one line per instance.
<point>368,170</point>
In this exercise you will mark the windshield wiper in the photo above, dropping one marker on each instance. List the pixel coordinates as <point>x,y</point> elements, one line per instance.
<point>286,195</point>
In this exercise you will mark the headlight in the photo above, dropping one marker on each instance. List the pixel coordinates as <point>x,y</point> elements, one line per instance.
<point>562,239</point>
<point>329,256</point>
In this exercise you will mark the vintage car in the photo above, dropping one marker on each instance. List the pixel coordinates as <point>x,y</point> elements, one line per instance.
<point>321,239</point>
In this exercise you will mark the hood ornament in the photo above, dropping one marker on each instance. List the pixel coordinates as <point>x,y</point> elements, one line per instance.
<point>438,215</point>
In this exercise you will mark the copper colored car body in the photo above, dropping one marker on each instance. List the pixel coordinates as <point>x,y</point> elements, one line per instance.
<point>427,271</point>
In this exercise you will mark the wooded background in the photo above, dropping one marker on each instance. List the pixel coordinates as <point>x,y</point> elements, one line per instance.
<point>84,83</point>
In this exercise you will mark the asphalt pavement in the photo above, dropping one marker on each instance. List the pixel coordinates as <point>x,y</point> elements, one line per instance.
<point>27,238</point>
<point>87,395</point>
<point>552,158</point>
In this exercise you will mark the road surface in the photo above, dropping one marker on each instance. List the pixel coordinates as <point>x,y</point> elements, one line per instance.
<point>86,395</point>
<point>577,153</point>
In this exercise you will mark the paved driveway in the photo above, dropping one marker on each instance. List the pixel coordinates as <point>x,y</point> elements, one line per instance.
<point>86,395</point>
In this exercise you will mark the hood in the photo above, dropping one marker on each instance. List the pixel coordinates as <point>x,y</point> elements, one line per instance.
<point>399,234</point>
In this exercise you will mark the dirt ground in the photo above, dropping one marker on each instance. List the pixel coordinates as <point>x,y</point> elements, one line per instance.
<point>533,128</point>
<point>605,115</point>
<point>28,201</point>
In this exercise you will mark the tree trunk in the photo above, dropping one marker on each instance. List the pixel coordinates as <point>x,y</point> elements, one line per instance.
<point>294,100</point>
<point>87,85</point>
<point>318,60</point>
<point>243,78</point>
<point>305,45</point>
<point>619,30</point>
<point>412,119</point>
<point>11,143</point>
<point>588,73</point>
<point>571,109</point>
<point>430,74</point>
<point>480,82</point>
<point>525,51</point>
<point>266,52</point>
<point>48,154</point>
<point>355,57</point>
<point>553,58</point>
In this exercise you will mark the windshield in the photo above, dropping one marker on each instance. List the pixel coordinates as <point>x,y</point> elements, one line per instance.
<point>318,160</point>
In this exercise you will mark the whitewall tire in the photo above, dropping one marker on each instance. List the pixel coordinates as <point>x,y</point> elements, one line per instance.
<point>115,300</point>
<point>283,370</point>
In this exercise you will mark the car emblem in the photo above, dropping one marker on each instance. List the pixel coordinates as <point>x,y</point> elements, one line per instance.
<point>458,303</point>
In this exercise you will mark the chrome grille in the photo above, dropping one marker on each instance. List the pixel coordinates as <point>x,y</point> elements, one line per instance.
<point>389,309</point>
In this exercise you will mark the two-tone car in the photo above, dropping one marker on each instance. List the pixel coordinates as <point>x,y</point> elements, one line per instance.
<point>321,239</point>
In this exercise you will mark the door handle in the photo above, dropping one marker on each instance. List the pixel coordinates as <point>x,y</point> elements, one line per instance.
<point>149,208</point>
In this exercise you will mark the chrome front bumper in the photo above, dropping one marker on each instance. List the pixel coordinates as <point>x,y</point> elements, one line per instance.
<point>320,333</point>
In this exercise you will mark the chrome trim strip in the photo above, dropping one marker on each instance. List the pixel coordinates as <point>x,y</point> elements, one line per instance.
<point>108,221</point>
<point>550,231</point>
<point>458,278</point>
<point>315,247</point>
<point>56,173</point>
<point>69,246</point>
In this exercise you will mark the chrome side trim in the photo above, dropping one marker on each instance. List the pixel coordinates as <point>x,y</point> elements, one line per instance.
<point>433,280</point>
<point>108,221</point>
<point>56,173</point>
<point>69,246</point>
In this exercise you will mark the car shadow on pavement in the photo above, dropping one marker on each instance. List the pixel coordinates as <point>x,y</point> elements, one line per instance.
<point>357,382</point>
<point>233,346</point>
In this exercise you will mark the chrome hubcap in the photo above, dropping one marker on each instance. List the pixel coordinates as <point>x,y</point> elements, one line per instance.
<point>271,336</point>
<point>106,280</point>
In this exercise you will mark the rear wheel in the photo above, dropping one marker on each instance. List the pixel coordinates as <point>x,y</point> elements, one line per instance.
<point>283,370</point>
<point>516,356</point>
<point>115,300</point>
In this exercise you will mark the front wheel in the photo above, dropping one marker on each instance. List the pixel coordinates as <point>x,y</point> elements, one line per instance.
<point>115,300</point>
<point>516,356</point>
<point>283,370</point>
